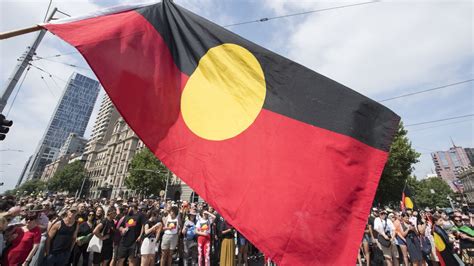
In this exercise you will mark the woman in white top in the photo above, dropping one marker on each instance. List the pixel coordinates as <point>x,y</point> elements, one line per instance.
<point>170,237</point>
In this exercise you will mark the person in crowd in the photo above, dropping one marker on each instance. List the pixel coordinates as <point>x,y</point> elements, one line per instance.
<point>84,235</point>
<point>104,230</point>
<point>131,229</point>
<point>43,222</point>
<point>25,242</point>
<point>121,214</point>
<point>169,241</point>
<point>386,235</point>
<point>203,226</point>
<point>190,239</point>
<point>99,213</point>
<point>227,252</point>
<point>3,227</point>
<point>61,238</point>
<point>152,232</point>
<point>402,228</point>
<point>366,242</point>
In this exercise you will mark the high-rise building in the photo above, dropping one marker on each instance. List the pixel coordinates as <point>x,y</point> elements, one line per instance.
<point>73,144</point>
<point>70,116</point>
<point>23,172</point>
<point>449,163</point>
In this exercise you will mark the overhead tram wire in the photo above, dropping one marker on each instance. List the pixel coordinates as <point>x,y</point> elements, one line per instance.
<point>66,64</point>
<point>439,120</point>
<point>427,90</point>
<point>298,14</point>
<point>53,56</point>
<point>51,75</point>
<point>442,125</point>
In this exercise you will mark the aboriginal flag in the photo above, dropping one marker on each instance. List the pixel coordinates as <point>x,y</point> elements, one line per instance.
<point>408,202</point>
<point>444,249</point>
<point>286,155</point>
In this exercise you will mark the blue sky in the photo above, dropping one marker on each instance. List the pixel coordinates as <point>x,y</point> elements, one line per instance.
<point>381,50</point>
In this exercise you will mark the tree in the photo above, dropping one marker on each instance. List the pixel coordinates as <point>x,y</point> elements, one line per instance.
<point>397,170</point>
<point>147,175</point>
<point>424,196</point>
<point>69,179</point>
<point>29,187</point>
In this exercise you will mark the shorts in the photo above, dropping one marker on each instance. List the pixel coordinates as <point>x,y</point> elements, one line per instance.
<point>127,252</point>
<point>148,246</point>
<point>169,242</point>
<point>104,255</point>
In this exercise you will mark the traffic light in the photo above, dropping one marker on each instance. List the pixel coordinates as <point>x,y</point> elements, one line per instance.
<point>4,126</point>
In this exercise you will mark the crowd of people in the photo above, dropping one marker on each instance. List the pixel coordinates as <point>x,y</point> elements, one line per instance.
<point>410,237</point>
<point>57,230</point>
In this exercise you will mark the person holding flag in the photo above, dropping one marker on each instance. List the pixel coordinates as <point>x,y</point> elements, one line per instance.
<point>444,248</point>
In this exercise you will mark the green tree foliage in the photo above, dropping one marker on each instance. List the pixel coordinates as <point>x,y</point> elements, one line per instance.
<point>147,175</point>
<point>69,179</point>
<point>34,186</point>
<point>424,197</point>
<point>398,168</point>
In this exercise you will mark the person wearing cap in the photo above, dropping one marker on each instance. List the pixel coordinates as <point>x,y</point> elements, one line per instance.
<point>24,246</point>
<point>61,237</point>
<point>385,229</point>
<point>190,239</point>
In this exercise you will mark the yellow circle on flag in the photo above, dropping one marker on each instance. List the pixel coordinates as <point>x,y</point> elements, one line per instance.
<point>439,243</point>
<point>225,93</point>
<point>408,203</point>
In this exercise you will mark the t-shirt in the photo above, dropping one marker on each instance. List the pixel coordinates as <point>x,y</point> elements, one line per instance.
<point>134,224</point>
<point>172,224</point>
<point>203,226</point>
<point>380,224</point>
<point>22,245</point>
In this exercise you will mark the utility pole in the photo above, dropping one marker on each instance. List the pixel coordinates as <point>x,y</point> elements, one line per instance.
<point>20,68</point>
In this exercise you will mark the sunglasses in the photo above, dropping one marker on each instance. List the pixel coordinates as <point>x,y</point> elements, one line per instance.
<point>457,220</point>
<point>91,214</point>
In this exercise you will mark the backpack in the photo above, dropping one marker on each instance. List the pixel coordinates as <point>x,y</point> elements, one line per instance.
<point>190,232</point>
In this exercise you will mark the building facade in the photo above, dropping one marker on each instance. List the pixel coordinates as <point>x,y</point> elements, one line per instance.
<point>108,168</point>
<point>467,180</point>
<point>71,115</point>
<point>57,165</point>
<point>449,163</point>
<point>470,155</point>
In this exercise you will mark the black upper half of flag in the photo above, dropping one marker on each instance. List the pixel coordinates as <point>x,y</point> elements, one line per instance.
<point>292,89</point>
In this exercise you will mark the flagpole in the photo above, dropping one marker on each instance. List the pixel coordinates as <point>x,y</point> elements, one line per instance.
<point>14,33</point>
